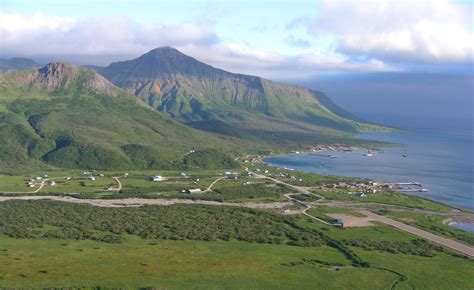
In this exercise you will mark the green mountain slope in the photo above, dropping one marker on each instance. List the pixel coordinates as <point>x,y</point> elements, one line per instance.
<point>70,117</point>
<point>234,104</point>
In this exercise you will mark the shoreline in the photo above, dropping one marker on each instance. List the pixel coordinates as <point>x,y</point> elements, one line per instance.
<point>458,224</point>
<point>286,167</point>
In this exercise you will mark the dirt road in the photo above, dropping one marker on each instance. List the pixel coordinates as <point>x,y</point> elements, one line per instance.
<point>465,249</point>
<point>117,179</point>
<point>209,188</point>
<point>301,189</point>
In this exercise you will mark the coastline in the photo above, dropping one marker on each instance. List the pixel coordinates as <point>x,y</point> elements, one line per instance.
<point>296,161</point>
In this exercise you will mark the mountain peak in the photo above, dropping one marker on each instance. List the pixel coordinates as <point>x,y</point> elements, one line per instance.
<point>159,62</point>
<point>57,70</point>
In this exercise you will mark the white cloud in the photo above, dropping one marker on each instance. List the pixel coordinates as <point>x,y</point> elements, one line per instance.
<point>398,30</point>
<point>272,65</point>
<point>103,40</point>
<point>41,35</point>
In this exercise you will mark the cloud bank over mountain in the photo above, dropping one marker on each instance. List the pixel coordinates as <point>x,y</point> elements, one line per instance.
<point>333,36</point>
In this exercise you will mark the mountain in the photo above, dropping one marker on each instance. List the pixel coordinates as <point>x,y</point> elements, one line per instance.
<point>239,105</point>
<point>64,116</point>
<point>17,63</point>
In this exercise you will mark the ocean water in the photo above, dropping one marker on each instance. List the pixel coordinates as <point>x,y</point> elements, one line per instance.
<point>439,155</point>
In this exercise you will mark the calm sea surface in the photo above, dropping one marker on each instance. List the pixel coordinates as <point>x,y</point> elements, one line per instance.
<point>439,154</point>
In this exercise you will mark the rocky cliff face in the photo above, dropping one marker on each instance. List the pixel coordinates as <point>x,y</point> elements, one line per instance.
<point>60,77</point>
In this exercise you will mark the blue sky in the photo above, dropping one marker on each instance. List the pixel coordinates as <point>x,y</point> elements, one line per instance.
<point>275,39</point>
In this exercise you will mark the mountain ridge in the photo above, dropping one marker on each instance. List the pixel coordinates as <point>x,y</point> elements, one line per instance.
<point>201,95</point>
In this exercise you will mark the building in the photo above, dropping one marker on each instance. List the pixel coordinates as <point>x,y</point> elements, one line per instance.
<point>193,190</point>
<point>346,225</point>
<point>93,178</point>
<point>52,183</point>
<point>158,178</point>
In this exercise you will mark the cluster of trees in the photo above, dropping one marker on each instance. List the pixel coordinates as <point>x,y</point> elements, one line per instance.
<point>416,247</point>
<point>209,159</point>
<point>48,219</point>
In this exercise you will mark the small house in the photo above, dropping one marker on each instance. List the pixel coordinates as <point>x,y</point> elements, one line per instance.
<point>158,178</point>
<point>193,190</point>
<point>93,178</point>
<point>52,183</point>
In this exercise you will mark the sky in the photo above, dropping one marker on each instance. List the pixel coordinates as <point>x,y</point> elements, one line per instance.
<point>321,44</point>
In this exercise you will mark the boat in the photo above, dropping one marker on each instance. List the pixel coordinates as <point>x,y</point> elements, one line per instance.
<point>423,190</point>
<point>404,155</point>
<point>333,156</point>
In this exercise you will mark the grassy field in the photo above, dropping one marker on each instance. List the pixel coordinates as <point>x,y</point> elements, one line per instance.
<point>299,178</point>
<point>136,183</point>
<point>249,189</point>
<point>432,223</point>
<point>193,254</point>
<point>176,264</point>
<point>321,210</point>
<point>215,265</point>
<point>392,198</point>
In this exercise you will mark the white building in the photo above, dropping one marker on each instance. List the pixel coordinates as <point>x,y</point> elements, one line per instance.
<point>158,178</point>
<point>193,190</point>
